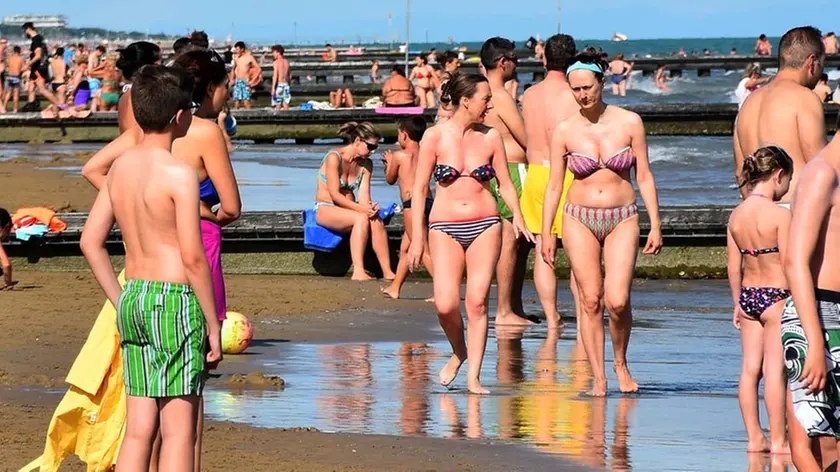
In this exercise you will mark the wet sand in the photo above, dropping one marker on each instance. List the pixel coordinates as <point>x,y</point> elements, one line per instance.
<point>47,318</point>
<point>26,183</point>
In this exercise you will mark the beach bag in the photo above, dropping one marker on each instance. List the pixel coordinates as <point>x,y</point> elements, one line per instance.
<point>316,237</point>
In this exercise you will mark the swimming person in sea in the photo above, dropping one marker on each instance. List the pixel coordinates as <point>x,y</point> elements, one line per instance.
<point>465,229</point>
<point>601,145</point>
<point>342,197</point>
<point>756,244</point>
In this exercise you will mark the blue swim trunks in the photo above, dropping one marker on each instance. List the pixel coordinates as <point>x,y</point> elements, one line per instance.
<point>13,82</point>
<point>241,90</point>
<point>282,95</point>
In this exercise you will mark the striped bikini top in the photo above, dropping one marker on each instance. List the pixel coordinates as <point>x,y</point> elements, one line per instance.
<point>583,165</point>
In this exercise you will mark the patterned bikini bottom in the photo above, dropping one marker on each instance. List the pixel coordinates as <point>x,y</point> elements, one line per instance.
<point>601,221</point>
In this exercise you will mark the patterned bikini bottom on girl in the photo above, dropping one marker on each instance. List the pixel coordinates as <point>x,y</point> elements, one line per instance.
<point>601,221</point>
<point>756,300</point>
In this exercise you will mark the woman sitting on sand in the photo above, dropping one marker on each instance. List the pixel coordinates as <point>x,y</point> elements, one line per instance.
<point>463,155</point>
<point>601,145</point>
<point>204,149</point>
<point>342,196</point>
<point>756,241</point>
<point>423,74</point>
<point>132,58</point>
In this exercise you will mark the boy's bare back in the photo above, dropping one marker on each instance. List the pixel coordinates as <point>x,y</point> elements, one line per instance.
<point>152,193</point>
<point>15,64</point>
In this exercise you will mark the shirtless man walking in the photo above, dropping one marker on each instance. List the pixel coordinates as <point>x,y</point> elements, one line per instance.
<point>281,94</point>
<point>811,317</point>
<point>786,113</point>
<point>544,105</point>
<point>499,59</point>
<point>241,75</point>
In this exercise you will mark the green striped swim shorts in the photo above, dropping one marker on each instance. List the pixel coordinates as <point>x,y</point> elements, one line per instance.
<point>163,333</point>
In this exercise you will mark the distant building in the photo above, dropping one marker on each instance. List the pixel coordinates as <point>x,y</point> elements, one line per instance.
<point>40,21</point>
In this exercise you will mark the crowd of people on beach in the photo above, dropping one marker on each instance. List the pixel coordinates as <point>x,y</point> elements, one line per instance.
<point>507,179</point>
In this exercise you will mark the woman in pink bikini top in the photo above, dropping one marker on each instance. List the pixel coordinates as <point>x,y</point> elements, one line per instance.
<point>601,146</point>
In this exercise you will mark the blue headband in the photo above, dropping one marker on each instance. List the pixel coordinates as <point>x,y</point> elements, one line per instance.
<point>584,66</point>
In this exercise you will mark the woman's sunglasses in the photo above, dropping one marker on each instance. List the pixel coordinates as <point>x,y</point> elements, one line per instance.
<point>372,146</point>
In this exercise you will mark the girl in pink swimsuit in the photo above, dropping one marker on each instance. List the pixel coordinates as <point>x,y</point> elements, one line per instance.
<point>601,145</point>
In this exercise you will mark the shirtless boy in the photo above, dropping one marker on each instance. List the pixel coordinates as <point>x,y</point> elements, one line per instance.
<point>281,94</point>
<point>498,57</point>
<point>811,317</point>
<point>241,75</point>
<point>544,105</point>
<point>786,112</point>
<point>400,169</point>
<point>14,69</point>
<point>168,296</point>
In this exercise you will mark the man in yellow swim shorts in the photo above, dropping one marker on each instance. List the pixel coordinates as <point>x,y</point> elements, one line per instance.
<point>544,105</point>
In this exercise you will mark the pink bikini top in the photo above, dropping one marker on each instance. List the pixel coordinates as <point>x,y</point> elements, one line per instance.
<point>583,166</point>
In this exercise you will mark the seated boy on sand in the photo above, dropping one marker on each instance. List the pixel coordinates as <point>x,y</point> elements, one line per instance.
<point>166,313</point>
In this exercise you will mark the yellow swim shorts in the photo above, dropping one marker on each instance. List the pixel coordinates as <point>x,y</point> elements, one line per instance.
<point>533,194</point>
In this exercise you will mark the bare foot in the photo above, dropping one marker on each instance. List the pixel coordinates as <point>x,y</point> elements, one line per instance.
<point>389,276</point>
<point>363,277</point>
<point>450,371</point>
<point>474,387</point>
<point>512,319</point>
<point>626,384</point>
<point>759,445</point>
<point>390,292</point>
<point>782,450</point>
<point>599,388</point>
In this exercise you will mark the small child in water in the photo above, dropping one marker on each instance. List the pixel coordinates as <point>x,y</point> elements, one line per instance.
<point>400,168</point>
<point>756,244</point>
<point>5,263</point>
<point>166,314</point>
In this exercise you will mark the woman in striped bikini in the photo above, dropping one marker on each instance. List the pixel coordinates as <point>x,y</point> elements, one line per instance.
<point>463,155</point>
<point>601,145</point>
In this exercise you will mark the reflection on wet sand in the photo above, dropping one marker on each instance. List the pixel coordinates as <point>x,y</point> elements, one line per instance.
<point>347,397</point>
<point>685,418</point>
<point>548,412</point>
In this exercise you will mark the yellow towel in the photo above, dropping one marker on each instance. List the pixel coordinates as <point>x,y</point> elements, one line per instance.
<point>90,420</point>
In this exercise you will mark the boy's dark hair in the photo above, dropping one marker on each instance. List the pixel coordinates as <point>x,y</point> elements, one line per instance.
<point>27,25</point>
<point>200,39</point>
<point>101,49</point>
<point>279,49</point>
<point>16,49</point>
<point>180,45</point>
<point>559,50</point>
<point>81,45</point>
<point>494,49</point>
<point>240,45</point>
<point>158,93</point>
<point>824,78</point>
<point>59,52</point>
<point>328,45</point>
<point>5,219</point>
<point>799,43</point>
<point>413,126</point>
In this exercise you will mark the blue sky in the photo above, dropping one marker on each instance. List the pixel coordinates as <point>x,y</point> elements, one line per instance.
<point>465,20</point>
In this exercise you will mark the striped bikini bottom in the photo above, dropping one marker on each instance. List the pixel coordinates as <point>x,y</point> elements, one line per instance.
<point>601,221</point>
<point>465,232</point>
